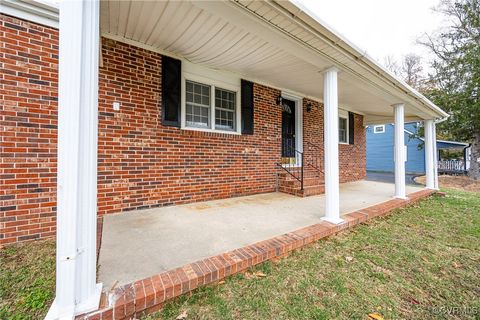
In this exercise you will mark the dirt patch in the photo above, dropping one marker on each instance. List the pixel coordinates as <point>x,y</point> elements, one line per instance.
<point>454,182</point>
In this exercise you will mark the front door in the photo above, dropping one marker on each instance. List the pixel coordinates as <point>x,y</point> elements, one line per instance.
<point>288,131</point>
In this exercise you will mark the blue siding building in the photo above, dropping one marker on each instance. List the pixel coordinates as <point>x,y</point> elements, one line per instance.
<point>380,141</point>
<point>380,149</point>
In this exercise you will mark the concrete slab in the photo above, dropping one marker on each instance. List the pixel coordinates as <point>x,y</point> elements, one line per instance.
<point>142,243</point>
<point>389,177</point>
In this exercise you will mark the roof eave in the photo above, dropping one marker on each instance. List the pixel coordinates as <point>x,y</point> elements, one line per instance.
<point>299,10</point>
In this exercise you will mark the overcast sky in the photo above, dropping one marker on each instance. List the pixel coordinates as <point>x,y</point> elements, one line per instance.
<point>381,27</point>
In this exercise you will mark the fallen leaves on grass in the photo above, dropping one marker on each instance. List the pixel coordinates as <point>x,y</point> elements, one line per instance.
<point>375,315</point>
<point>182,316</point>
<point>254,275</point>
<point>455,182</point>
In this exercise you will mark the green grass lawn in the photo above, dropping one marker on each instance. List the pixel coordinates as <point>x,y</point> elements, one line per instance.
<point>27,280</point>
<point>422,262</point>
<point>415,264</point>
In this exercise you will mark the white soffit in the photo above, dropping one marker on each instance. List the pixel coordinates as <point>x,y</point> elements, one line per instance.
<point>258,40</point>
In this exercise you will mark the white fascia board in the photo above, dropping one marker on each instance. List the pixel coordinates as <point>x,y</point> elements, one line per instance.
<point>453,143</point>
<point>375,120</point>
<point>461,144</point>
<point>298,10</point>
<point>41,12</point>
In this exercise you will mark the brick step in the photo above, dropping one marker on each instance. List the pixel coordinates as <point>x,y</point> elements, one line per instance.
<point>306,182</point>
<point>313,183</point>
<point>306,192</point>
<point>306,174</point>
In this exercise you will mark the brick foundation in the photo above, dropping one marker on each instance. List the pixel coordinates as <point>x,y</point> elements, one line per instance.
<point>141,163</point>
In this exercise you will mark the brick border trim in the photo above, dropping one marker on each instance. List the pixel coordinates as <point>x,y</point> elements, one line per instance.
<point>148,295</point>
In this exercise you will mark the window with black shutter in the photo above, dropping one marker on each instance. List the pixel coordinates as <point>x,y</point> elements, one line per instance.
<point>247,107</point>
<point>351,128</point>
<point>171,91</point>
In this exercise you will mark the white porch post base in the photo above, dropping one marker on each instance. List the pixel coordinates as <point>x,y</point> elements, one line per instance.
<point>90,304</point>
<point>400,151</point>
<point>330,120</point>
<point>429,156</point>
<point>333,220</point>
<point>76,290</point>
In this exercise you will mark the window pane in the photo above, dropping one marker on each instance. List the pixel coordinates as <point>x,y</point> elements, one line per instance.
<point>342,130</point>
<point>225,106</point>
<point>197,105</point>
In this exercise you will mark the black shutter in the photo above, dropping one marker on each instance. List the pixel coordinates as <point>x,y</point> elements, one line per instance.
<point>351,128</point>
<point>247,106</point>
<point>171,91</point>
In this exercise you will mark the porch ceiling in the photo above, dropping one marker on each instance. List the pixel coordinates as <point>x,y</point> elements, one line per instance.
<point>261,41</point>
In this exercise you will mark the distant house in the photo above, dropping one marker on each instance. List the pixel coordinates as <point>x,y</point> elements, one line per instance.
<point>380,149</point>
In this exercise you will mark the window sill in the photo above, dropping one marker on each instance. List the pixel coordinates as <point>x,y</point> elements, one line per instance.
<point>345,143</point>
<point>236,133</point>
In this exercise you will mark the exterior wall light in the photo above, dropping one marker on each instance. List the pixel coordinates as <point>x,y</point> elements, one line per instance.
<point>309,107</point>
<point>279,100</point>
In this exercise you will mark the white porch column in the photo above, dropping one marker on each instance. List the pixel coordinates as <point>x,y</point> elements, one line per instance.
<point>330,120</point>
<point>76,288</point>
<point>429,155</point>
<point>400,151</point>
<point>435,156</point>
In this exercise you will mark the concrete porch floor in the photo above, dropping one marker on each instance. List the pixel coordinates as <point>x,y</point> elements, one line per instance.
<point>141,243</point>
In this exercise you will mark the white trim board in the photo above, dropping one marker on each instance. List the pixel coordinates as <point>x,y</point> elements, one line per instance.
<point>41,12</point>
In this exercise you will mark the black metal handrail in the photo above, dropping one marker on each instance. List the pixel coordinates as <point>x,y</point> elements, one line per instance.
<point>293,169</point>
<point>313,156</point>
<point>300,161</point>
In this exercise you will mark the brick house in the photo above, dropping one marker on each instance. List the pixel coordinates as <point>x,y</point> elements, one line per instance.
<point>178,103</point>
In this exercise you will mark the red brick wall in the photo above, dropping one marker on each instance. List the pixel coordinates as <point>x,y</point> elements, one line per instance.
<point>28,117</point>
<point>141,163</point>
<point>353,159</point>
<point>145,164</point>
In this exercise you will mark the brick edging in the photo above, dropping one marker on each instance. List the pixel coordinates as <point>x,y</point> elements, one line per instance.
<point>148,295</point>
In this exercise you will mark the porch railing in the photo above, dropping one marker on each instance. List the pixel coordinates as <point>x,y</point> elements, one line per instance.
<point>313,156</point>
<point>297,162</point>
<point>451,166</point>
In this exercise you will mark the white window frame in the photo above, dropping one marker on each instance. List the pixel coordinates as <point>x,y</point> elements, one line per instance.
<point>378,127</point>
<point>215,79</point>
<point>344,115</point>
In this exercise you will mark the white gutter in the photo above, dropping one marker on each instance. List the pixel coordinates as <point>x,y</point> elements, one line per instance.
<point>346,47</point>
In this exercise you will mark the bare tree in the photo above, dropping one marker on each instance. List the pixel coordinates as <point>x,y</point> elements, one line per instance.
<point>409,69</point>
<point>392,65</point>
<point>412,70</point>
<point>456,77</point>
